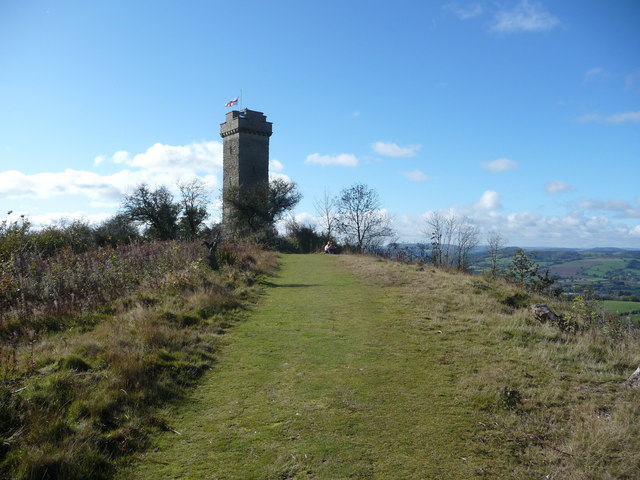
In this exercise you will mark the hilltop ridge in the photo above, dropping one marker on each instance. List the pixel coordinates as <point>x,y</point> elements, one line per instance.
<point>357,366</point>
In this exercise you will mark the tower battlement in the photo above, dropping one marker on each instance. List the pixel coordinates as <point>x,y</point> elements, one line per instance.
<point>246,121</point>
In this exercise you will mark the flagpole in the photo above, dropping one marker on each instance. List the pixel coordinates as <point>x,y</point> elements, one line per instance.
<point>241,104</point>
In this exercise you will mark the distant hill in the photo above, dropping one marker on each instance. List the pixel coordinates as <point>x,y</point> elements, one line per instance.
<point>610,272</point>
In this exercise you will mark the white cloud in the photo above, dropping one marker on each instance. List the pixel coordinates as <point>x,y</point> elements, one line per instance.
<point>490,200</point>
<point>524,17</point>
<point>500,165</point>
<point>615,119</point>
<point>204,157</point>
<point>574,229</point>
<point>557,186</point>
<point>342,159</point>
<point>464,12</point>
<point>159,165</point>
<point>57,217</point>
<point>15,184</point>
<point>389,149</point>
<point>416,176</point>
<point>276,166</point>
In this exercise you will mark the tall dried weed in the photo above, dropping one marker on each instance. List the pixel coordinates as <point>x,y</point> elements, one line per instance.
<point>94,342</point>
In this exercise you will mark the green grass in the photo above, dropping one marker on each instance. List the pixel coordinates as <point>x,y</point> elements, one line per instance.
<point>606,266</point>
<point>615,306</point>
<point>354,367</point>
<point>328,379</point>
<point>620,307</point>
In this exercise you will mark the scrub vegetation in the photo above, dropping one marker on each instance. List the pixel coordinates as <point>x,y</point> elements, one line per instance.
<point>94,341</point>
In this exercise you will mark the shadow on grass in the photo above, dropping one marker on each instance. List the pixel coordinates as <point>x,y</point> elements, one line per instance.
<point>290,285</point>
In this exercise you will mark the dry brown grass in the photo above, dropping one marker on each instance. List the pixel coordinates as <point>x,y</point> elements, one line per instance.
<point>555,404</point>
<point>75,401</point>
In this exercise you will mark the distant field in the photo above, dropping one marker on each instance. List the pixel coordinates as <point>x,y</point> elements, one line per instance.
<point>597,267</point>
<point>604,267</point>
<point>615,306</point>
<point>620,308</point>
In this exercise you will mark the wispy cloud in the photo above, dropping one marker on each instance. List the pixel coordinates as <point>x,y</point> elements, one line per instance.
<point>342,160</point>
<point>500,165</point>
<point>464,12</point>
<point>416,176</point>
<point>524,17</point>
<point>557,186</point>
<point>615,119</point>
<point>632,81</point>
<point>389,149</point>
<point>623,208</point>
<point>593,74</point>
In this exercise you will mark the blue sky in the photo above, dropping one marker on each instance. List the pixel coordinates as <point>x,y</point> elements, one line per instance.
<point>523,116</point>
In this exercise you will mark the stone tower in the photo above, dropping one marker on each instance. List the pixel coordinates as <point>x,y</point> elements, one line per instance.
<point>245,138</point>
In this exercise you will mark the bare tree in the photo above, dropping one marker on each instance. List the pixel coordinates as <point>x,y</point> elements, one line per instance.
<point>327,209</point>
<point>361,220</point>
<point>495,243</point>
<point>434,232</point>
<point>451,240</point>
<point>466,241</point>
<point>450,227</point>
<point>194,207</point>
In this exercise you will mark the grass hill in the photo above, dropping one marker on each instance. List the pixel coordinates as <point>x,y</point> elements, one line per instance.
<point>356,367</point>
<point>332,367</point>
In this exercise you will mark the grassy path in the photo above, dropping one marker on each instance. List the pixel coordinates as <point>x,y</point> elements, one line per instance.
<point>327,379</point>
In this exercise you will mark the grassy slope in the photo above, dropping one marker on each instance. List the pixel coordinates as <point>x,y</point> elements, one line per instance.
<point>330,378</point>
<point>358,368</point>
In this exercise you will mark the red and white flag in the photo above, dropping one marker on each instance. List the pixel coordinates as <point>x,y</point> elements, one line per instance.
<point>231,103</point>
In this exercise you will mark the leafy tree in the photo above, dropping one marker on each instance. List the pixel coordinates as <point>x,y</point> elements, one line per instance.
<point>15,236</point>
<point>526,273</point>
<point>117,230</point>
<point>154,208</point>
<point>252,212</point>
<point>522,269</point>
<point>361,220</point>
<point>305,239</point>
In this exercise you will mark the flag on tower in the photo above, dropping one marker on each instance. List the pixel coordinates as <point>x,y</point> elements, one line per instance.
<point>231,103</point>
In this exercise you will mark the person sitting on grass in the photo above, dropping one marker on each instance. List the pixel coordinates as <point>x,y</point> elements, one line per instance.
<point>329,247</point>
